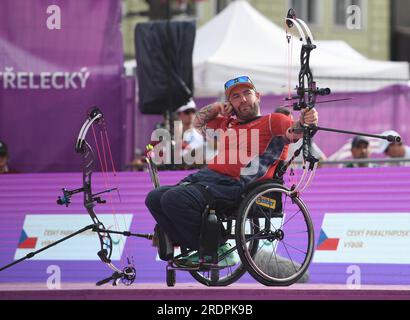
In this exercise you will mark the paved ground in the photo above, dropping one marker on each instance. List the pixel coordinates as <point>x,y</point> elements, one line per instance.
<point>195,291</point>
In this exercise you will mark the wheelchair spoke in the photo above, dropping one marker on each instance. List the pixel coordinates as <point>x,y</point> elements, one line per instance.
<point>276,258</point>
<point>259,248</point>
<point>288,245</point>
<point>254,236</point>
<point>273,253</point>
<point>290,258</point>
<point>290,219</point>
<point>263,212</point>
<point>297,232</point>
<point>254,224</point>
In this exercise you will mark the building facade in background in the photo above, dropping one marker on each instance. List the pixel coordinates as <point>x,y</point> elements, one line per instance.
<point>400,44</point>
<point>369,31</point>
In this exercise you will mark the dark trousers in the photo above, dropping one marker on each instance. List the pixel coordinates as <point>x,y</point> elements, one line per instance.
<point>178,209</point>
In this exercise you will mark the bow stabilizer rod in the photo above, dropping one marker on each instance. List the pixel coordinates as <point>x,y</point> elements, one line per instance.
<point>390,138</point>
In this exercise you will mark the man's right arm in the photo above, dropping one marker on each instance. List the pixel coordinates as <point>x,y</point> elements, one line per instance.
<point>207,114</point>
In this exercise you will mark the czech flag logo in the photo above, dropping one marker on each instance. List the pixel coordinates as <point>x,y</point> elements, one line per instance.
<point>325,243</point>
<point>26,242</point>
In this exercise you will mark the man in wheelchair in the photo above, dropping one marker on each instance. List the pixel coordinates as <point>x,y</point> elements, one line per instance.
<point>250,146</point>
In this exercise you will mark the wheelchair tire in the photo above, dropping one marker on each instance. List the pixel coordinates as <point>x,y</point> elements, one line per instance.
<point>228,275</point>
<point>260,202</point>
<point>171,279</point>
<point>214,277</point>
<point>206,277</point>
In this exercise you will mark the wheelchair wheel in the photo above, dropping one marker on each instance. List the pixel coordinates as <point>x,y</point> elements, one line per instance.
<point>170,278</point>
<point>230,274</point>
<point>214,276</point>
<point>285,237</point>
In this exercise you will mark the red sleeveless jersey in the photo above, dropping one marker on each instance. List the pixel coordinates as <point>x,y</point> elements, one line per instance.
<point>250,151</point>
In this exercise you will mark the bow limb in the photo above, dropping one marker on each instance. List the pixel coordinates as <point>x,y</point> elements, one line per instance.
<point>306,93</point>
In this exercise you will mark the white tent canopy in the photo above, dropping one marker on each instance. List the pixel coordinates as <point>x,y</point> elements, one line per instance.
<point>241,41</point>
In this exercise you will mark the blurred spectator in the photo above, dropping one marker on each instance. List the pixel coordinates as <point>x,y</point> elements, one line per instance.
<point>139,163</point>
<point>191,139</point>
<point>4,158</point>
<point>360,150</point>
<point>319,154</point>
<point>395,150</point>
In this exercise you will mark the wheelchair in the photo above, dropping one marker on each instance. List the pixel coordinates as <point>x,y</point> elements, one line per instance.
<point>270,225</point>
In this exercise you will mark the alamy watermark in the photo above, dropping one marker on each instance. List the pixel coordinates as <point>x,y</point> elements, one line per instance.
<point>234,147</point>
<point>54,280</point>
<point>354,281</point>
<point>53,21</point>
<point>354,17</point>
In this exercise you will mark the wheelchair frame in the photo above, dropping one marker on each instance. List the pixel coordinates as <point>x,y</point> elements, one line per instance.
<point>246,244</point>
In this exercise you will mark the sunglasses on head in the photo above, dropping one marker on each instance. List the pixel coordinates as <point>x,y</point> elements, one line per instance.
<point>242,79</point>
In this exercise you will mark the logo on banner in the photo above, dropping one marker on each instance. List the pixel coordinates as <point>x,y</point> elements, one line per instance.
<point>44,80</point>
<point>27,242</point>
<point>325,243</point>
<point>44,229</point>
<point>364,238</point>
